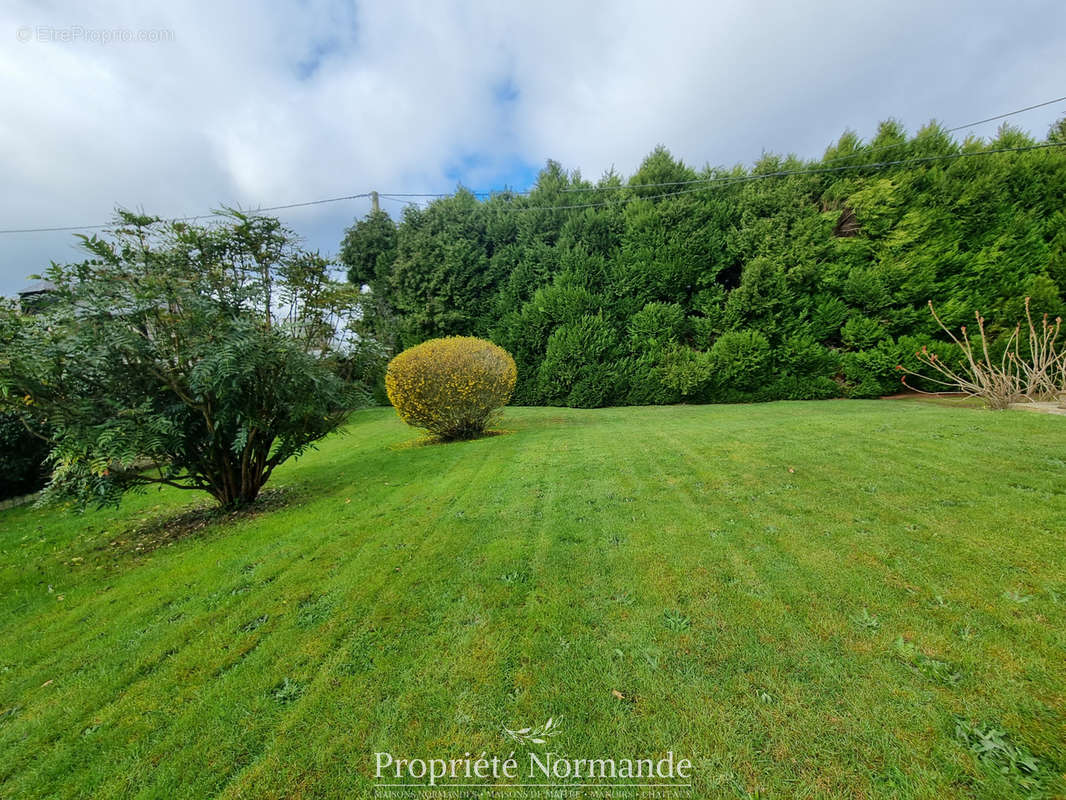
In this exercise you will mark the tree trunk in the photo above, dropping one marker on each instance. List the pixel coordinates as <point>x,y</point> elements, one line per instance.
<point>239,479</point>
<point>234,497</point>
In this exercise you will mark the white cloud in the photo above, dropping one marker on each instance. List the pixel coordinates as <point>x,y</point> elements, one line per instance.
<point>268,104</point>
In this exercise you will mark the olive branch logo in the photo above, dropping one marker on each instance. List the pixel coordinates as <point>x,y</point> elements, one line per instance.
<point>538,735</point>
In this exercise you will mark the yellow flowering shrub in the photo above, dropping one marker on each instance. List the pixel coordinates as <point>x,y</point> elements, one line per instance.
<point>451,386</point>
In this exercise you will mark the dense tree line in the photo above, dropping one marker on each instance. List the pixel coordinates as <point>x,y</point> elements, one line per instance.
<point>790,280</point>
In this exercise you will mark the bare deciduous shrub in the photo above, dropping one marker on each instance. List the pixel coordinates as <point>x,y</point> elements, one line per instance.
<point>1039,375</point>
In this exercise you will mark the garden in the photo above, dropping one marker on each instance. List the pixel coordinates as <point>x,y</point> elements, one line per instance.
<point>806,599</point>
<point>598,498</point>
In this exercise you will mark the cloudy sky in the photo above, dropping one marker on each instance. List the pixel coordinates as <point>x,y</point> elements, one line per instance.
<point>262,104</point>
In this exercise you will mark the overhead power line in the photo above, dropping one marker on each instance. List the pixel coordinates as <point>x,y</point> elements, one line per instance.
<point>193,218</point>
<point>407,201</point>
<point>706,183</point>
<point>894,145</point>
<point>308,203</point>
<point>402,196</point>
<point>701,183</point>
<point>1008,114</point>
<point>444,194</point>
<point>697,184</point>
<point>856,154</point>
<point>64,228</point>
<point>867,151</point>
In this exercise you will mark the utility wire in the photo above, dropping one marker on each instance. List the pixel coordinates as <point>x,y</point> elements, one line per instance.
<point>730,180</point>
<point>398,196</point>
<point>948,130</point>
<point>856,154</point>
<point>47,230</point>
<point>309,203</point>
<point>1008,114</point>
<point>699,185</point>
<point>406,202</point>
<point>445,194</point>
<point>190,219</point>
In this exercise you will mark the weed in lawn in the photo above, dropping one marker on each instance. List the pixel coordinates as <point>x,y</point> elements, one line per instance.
<point>361,653</point>
<point>938,671</point>
<point>865,619</point>
<point>287,691</point>
<point>676,621</point>
<point>753,590</point>
<point>313,611</point>
<point>1017,597</point>
<point>463,720</point>
<point>995,750</point>
<point>248,627</point>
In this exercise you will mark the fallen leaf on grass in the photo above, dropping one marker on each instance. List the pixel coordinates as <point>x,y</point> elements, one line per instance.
<point>618,694</point>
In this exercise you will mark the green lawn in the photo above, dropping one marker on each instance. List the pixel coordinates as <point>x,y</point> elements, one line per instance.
<point>730,583</point>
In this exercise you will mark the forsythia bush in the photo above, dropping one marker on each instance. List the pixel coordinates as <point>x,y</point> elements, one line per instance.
<point>451,386</point>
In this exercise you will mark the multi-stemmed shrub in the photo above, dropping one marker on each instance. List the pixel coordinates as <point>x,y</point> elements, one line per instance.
<point>200,357</point>
<point>451,387</point>
<point>1033,373</point>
